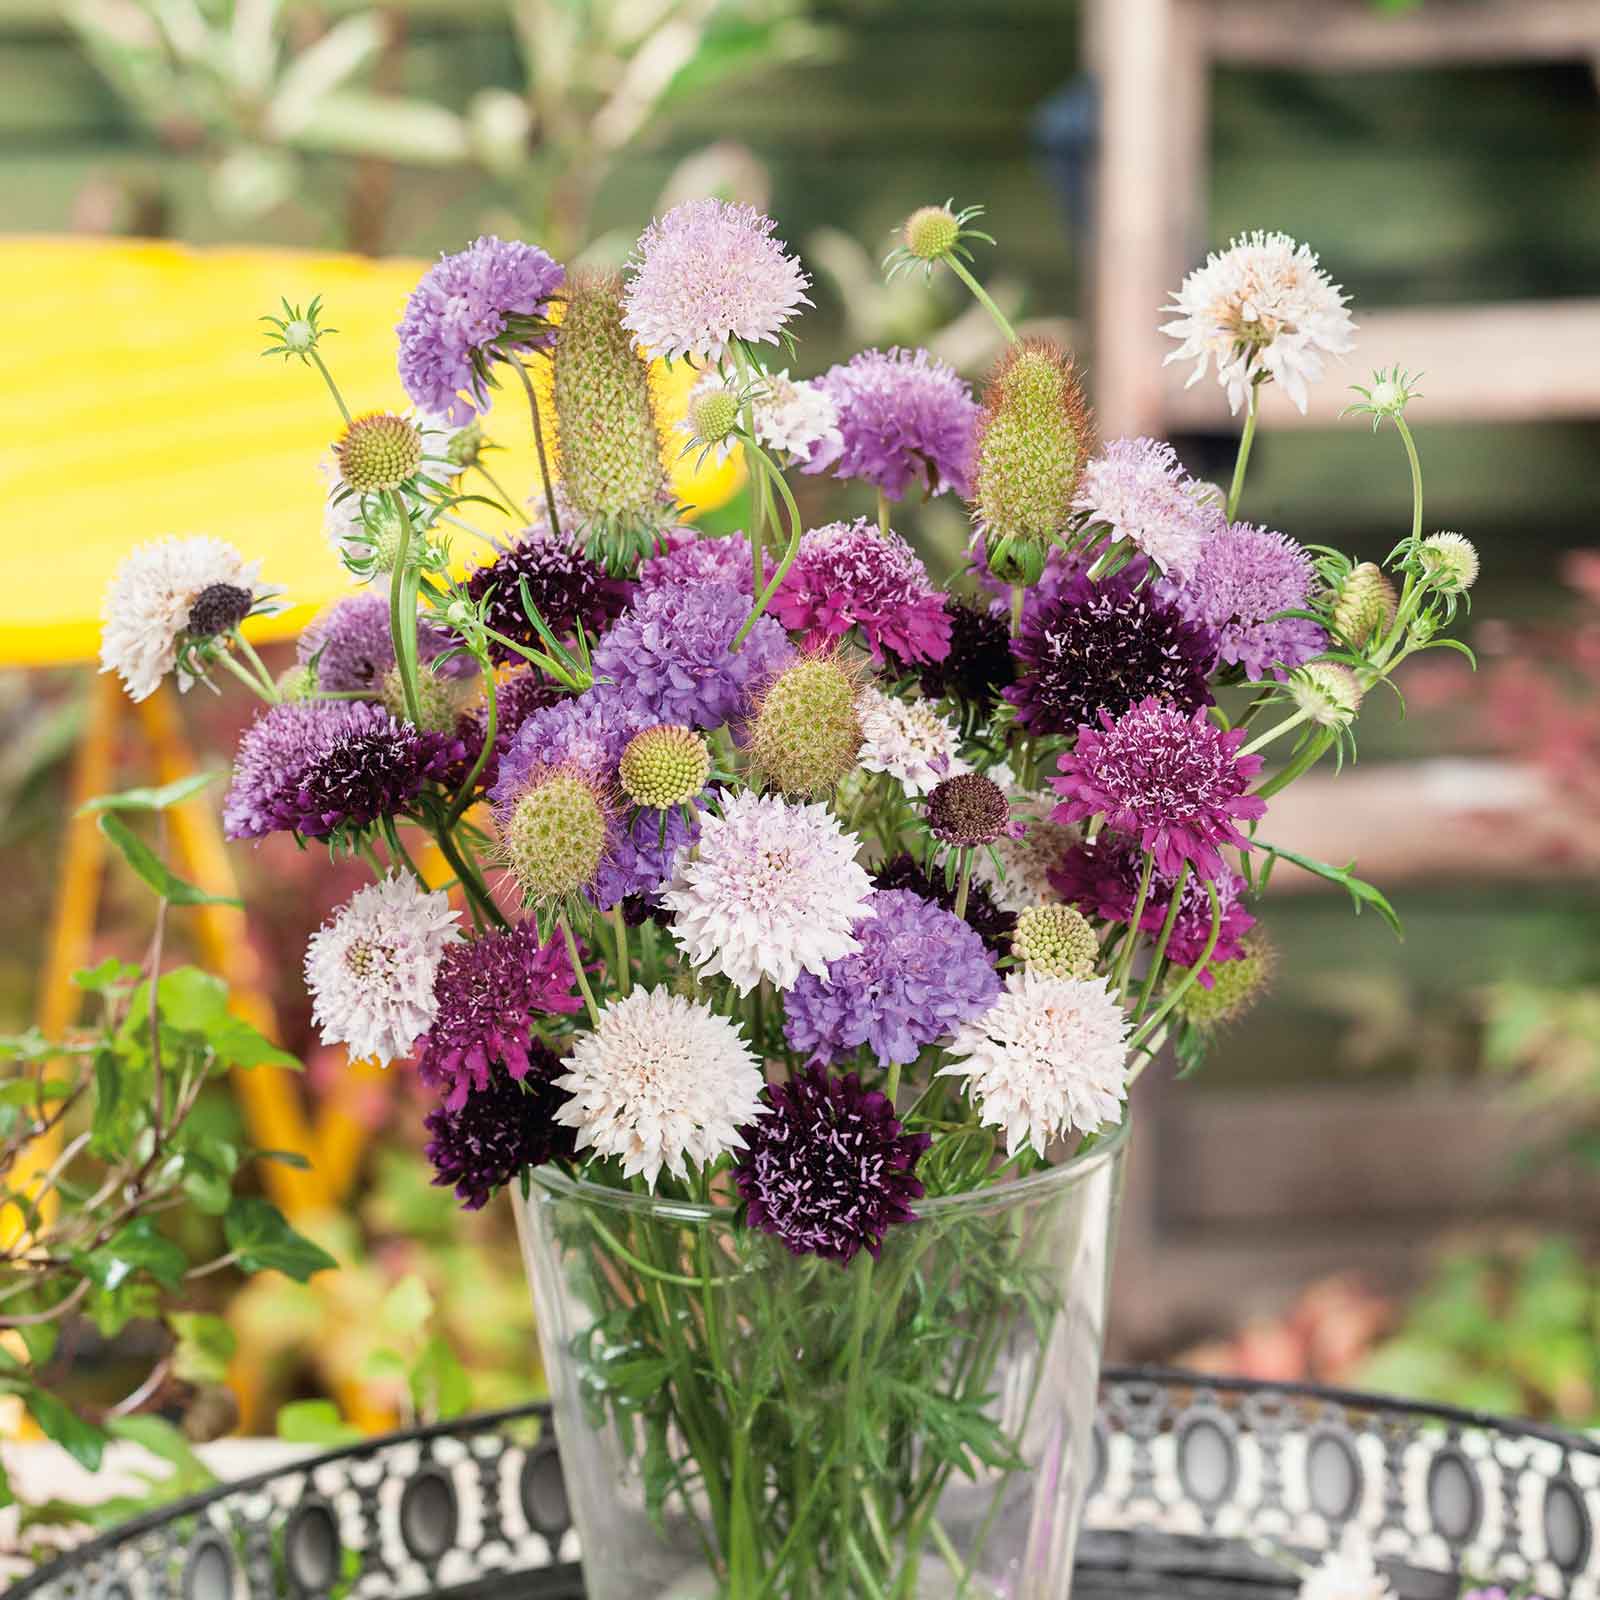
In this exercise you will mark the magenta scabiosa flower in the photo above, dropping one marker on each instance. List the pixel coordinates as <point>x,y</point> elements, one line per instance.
<point>500,1130</point>
<point>905,419</point>
<point>850,575</point>
<point>991,924</point>
<point>828,1170</point>
<point>1246,579</point>
<point>488,995</point>
<point>568,589</point>
<point>481,305</point>
<point>1103,646</point>
<point>352,649</point>
<point>709,273</point>
<point>1138,488</point>
<point>919,972</point>
<point>1175,782</point>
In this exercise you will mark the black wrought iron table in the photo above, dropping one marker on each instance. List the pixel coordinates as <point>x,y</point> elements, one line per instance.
<point>1199,1485</point>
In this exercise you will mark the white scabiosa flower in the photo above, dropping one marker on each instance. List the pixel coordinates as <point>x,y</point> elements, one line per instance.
<point>793,419</point>
<point>370,967</point>
<point>1023,877</point>
<point>148,607</point>
<point>909,740</point>
<point>1048,1058</point>
<point>661,1081</point>
<point>1262,308</point>
<point>1348,1572</point>
<point>770,891</point>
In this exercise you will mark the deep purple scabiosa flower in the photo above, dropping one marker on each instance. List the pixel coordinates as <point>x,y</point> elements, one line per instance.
<point>850,575</point>
<point>690,558</point>
<point>352,648</point>
<point>567,589</point>
<point>640,858</point>
<point>905,418</point>
<point>991,924</point>
<point>494,1134</point>
<point>1175,782</point>
<point>970,810</point>
<point>828,1170</point>
<point>488,994</point>
<point>1138,488</point>
<point>919,973</point>
<point>1102,880</point>
<point>979,666</point>
<point>471,309</point>
<point>1104,646</point>
<point>1247,577</point>
<point>708,273</point>
<point>670,652</point>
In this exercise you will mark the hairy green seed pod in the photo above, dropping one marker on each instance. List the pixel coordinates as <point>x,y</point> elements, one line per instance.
<point>806,733</point>
<point>1235,985</point>
<point>664,766</point>
<point>1364,604</point>
<point>438,705</point>
<point>1327,692</point>
<point>1449,562</point>
<point>1057,941</point>
<point>556,836</point>
<point>378,451</point>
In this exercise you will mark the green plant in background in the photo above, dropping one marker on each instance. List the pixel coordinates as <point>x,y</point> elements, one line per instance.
<point>117,1192</point>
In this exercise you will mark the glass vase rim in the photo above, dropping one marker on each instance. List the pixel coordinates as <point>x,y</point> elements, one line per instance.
<point>1064,1174</point>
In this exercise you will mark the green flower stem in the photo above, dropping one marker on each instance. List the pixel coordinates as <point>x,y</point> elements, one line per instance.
<point>964,883</point>
<point>333,388</point>
<point>1262,740</point>
<point>1125,957</point>
<point>1181,988</point>
<point>467,874</point>
<point>1159,958</point>
<point>1310,754</point>
<point>1246,439</point>
<point>577,967</point>
<point>619,928</point>
<point>1017,593</point>
<point>494,483</point>
<point>951,1555</point>
<point>1402,613</point>
<point>267,692</point>
<point>256,662</point>
<point>981,295</point>
<point>490,727</point>
<point>658,1274</point>
<point>796,528</point>
<point>538,443</point>
<point>883,512</point>
<point>399,853</point>
<point>403,628</point>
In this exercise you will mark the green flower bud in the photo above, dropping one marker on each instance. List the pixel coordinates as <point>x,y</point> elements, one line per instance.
<point>931,232</point>
<point>299,336</point>
<point>664,766</point>
<point>438,706</point>
<point>1327,692</point>
<point>1364,604</point>
<point>378,451</point>
<point>1055,941</point>
<point>1235,985</point>
<point>806,733</point>
<point>714,415</point>
<point>556,836</point>
<point>1449,563</point>
<point>465,445</point>
<point>298,683</point>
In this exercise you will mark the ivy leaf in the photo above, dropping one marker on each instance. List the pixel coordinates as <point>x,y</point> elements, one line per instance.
<point>84,1442</point>
<point>111,1310</point>
<point>1361,892</point>
<point>169,794</point>
<point>314,1422</point>
<point>154,870</point>
<point>111,975</point>
<point>135,1248</point>
<point>440,1387</point>
<point>256,1230</point>
<point>206,1344</point>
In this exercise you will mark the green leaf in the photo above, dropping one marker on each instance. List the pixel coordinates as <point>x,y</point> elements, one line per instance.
<point>265,1242</point>
<point>29,1046</point>
<point>315,1422</point>
<point>1360,892</point>
<point>169,794</point>
<point>196,1002</point>
<point>440,1387</point>
<point>25,1092</point>
<point>383,1365</point>
<point>154,870</point>
<point>81,1440</point>
<point>166,1443</point>
<point>136,1248</point>
<point>206,1344</point>
<point>406,1308</point>
<point>109,976</point>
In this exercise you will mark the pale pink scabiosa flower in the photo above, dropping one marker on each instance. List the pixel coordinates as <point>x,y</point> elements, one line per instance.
<point>1140,491</point>
<point>707,274</point>
<point>1048,1058</point>
<point>850,575</point>
<point>371,967</point>
<point>661,1081</point>
<point>1347,1572</point>
<point>904,418</point>
<point>772,890</point>
<point>1174,781</point>
<point>164,593</point>
<point>909,740</point>
<point>1262,308</point>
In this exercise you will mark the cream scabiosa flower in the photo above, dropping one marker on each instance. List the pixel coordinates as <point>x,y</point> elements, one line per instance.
<point>661,1081</point>
<point>1023,878</point>
<point>370,967</point>
<point>1048,1058</point>
<point>148,606</point>
<point>909,740</point>
<point>1261,309</point>
<point>770,891</point>
<point>1347,1572</point>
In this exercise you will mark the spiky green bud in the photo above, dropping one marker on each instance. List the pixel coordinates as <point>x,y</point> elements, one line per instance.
<point>1327,692</point>
<point>465,445</point>
<point>438,706</point>
<point>1449,563</point>
<point>931,232</point>
<point>664,766</point>
<point>714,415</point>
<point>1055,941</point>
<point>556,836</point>
<point>298,683</point>
<point>378,451</point>
<point>1235,985</point>
<point>1364,604</point>
<point>806,734</point>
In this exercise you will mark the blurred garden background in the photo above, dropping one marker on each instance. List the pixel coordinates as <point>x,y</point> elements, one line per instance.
<point>1389,1175</point>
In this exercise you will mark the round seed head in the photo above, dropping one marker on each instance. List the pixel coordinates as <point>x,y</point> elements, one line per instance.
<point>714,415</point>
<point>806,735</point>
<point>931,232</point>
<point>377,452</point>
<point>664,766</point>
<point>438,705</point>
<point>1235,985</point>
<point>1364,604</point>
<point>968,810</point>
<point>1327,692</point>
<point>1449,562</point>
<point>1055,941</point>
<point>218,608</point>
<point>556,837</point>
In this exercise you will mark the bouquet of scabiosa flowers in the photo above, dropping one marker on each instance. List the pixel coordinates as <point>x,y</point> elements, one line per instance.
<point>806,923</point>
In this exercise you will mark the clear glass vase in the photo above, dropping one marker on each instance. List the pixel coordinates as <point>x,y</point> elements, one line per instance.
<point>736,1423</point>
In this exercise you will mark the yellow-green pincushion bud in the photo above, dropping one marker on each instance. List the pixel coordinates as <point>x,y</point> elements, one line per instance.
<point>438,702</point>
<point>1235,985</point>
<point>298,683</point>
<point>465,445</point>
<point>1449,563</point>
<point>664,767</point>
<point>1055,941</point>
<point>378,451</point>
<point>931,232</point>
<point>1033,439</point>
<point>555,837</point>
<point>1327,692</point>
<point>1364,604</point>
<point>713,415</point>
<point>806,734</point>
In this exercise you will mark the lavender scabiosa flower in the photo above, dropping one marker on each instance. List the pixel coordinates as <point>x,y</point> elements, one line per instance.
<point>708,274</point>
<point>150,607</point>
<point>919,972</point>
<point>1138,488</point>
<point>828,1169</point>
<point>371,967</point>
<point>772,889</point>
<point>905,418</point>
<point>1103,646</point>
<point>982,915</point>
<point>484,304</point>
<point>850,575</point>
<point>688,559</point>
<point>671,650</point>
<point>1048,1058</point>
<point>568,589</point>
<point>496,1133</point>
<point>352,649</point>
<point>640,858</point>
<point>907,739</point>
<point>488,994</point>
<point>1176,783</point>
<point>660,1082</point>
